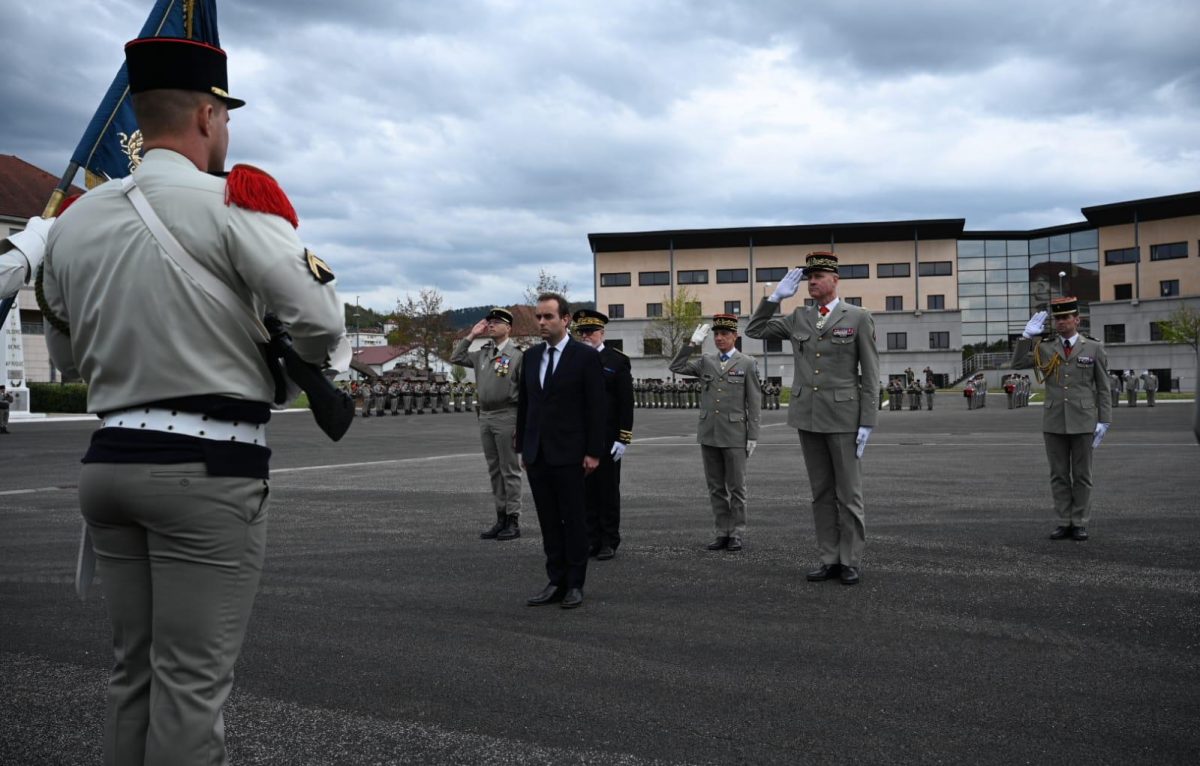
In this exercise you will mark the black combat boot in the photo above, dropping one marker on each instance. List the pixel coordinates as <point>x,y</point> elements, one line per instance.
<point>494,531</point>
<point>512,529</point>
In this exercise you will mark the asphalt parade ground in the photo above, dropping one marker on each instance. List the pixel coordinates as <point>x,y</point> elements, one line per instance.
<point>387,632</point>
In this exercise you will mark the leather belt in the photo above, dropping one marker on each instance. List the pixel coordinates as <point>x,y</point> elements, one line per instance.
<point>186,423</point>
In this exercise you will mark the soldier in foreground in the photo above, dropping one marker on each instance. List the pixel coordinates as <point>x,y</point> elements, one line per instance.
<point>603,485</point>
<point>730,402</point>
<point>833,406</point>
<point>174,483</point>
<point>1077,413</point>
<point>497,366</point>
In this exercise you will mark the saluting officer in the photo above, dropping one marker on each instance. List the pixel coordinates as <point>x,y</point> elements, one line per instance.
<point>603,485</point>
<point>833,405</point>
<point>174,482</point>
<point>728,431</point>
<point>1131,387</point>
<point>497,366</point>
<point>1078,409</point>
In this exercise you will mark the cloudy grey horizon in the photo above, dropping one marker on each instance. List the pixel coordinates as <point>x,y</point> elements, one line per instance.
<point>465,145</point>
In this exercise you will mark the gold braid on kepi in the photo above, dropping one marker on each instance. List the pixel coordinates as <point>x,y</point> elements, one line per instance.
<point>1043,371</point>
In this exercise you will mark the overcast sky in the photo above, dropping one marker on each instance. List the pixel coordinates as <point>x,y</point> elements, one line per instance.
<point>464,144</point>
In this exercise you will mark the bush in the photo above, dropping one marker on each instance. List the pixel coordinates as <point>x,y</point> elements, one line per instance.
<point>58,397</point>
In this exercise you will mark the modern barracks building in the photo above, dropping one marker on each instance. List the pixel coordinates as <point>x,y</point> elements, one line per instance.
<point>933,286</point>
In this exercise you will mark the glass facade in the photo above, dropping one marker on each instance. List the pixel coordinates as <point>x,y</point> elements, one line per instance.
<point>1002,282</point>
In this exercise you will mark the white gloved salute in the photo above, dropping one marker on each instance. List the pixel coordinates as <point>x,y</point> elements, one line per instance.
<point>21,254</point>
<point>700,334</point>
<point>1101,429</point>
<point>788,285</point>
<point>750,445</point>
<point>864,433</point>
<point>618,452</point>
<point>1035,325</point>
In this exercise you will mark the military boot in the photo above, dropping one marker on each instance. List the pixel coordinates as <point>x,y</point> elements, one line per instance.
<point>494,531</point>
<point>512,529</point>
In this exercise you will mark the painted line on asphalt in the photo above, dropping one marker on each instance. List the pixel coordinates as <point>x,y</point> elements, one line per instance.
<point>397,461</point>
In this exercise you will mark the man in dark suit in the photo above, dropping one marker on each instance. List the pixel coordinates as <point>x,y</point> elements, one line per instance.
<point>604,484</point>
<point>560,431</point>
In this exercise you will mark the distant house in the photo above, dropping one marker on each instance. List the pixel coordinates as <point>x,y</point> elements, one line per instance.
<point>380,360</point>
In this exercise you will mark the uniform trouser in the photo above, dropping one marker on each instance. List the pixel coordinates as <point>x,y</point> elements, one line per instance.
<point>1012,398</point>
<point>408,403</point>
<point>496,429</point>
<point>4,417</point>
<point>835,474</point>
<point>179,553</point>
<point>1070,457</point>
<point>1149,398</point>
<point>725,472</point>
<point>929,401</point>
<point>380,403</point>
<point>1133,398</point>
<point>604,504</point>
<point>395,404</point>
<point>558,494</point>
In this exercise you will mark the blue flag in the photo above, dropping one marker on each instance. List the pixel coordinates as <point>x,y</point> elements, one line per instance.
<point>111,146</point>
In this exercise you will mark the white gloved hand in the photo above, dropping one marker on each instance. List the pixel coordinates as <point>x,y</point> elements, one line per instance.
<point>788,285</point>
<point>31,242</point>
<point>864,433</point>
<point>750,445</point>
<point>1101,429</point>
<point>1035,325</point>
<point>700,334</point>
<point>618,452</point>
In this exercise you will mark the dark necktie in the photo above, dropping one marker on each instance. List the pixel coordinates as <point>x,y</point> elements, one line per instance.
<point>1067,348</point>
<point>549,366</point>
<point>724,357</point>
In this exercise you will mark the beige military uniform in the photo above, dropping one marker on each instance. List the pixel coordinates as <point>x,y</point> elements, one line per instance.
<point>179,548</point>
<point>730,403</point>
<point>833,393</point>
<point>497,384</point>
<point>1077,398</point>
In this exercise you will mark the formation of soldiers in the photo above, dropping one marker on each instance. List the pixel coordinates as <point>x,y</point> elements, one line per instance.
<point>1017,389</point>
<point>913,392</point>
<point>653,393</point>
<point>975,391</point>
<point>770,395</point>
<point>1132,382</point>
<point>414,396</point>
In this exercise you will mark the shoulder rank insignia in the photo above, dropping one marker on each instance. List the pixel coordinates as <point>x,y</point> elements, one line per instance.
<point>318,268</point>
<point>253,189</point>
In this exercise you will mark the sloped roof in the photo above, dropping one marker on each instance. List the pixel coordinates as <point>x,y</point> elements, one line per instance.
<point>378,354</point>
<point>24,188</point>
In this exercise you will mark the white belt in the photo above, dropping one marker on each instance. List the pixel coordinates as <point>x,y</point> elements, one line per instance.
<point>186,423</point>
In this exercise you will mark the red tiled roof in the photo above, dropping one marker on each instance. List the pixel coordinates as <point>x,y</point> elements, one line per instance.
<point>25,189</point>
<point>378,354</point>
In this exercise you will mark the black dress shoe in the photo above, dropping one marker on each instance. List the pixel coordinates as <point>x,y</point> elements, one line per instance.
<point>551,594</point>
<point>605,553</point>
<point>735,544</point>
<point>1079,534</point>
<point>512,529</point>
<point>573,598</point>
<point>718,544</point>
<point>1060,533</point>
<point>824,572</point>
<point>850,576</point>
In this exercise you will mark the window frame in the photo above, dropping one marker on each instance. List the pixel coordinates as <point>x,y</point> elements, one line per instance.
<point>892,267</point>
<point>645,281</point>
<point>627,283</point>
<point>692,278</point>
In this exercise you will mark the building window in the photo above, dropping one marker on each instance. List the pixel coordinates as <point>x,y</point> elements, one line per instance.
<point>733,307</point>
<point>693,306</point>
<point>939,339</point>
<point>732,276</point>
<point>653,310</point>
<point>854,302</point>
<point>1123,255</point>
<point>1123,292</point>
<point>854,271</point>
<point>33,328</point>
<point>1114,333</point>
<point>616,343</point>
<point>773,345</point>
<point>620,279</point>
<point>935,302</point>
<point>935,269</point>
<point>616,311</point>
<point>1156,331</point>
<point>1169,251</point>
<point>651,278</point>
<point>895,303</point>
<point>652,346</point>
<point>692,277</point>
<point>770,274</point>
<point>1168,288</point>
<point>897,341</point>
<point>892,270</point>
